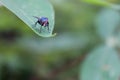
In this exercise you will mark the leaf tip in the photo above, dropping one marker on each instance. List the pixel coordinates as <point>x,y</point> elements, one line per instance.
<point>53,35</point>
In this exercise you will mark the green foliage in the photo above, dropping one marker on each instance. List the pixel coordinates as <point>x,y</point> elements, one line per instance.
<point>26,9</point>
<point>81,29</point>
<point>101,64</point>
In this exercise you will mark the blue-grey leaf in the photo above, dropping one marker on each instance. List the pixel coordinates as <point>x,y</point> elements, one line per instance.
<point>107,21</point>
<point>101,64</point>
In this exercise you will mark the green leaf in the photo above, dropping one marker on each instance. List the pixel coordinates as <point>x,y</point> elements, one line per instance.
<point>107,21</point>
<point>26,9</point>
<point>101,64</point>
<point>97,2</point>
<point>103,3</point>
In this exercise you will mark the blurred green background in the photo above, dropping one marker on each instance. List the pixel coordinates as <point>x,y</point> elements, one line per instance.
<point>26,56</point>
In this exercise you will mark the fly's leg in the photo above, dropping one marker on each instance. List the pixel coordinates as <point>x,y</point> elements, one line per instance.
<point>48,28</point>
<point>36,23</point>
<point>40,28</point>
